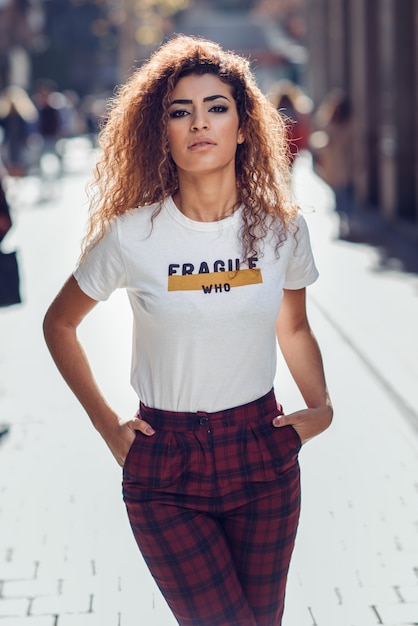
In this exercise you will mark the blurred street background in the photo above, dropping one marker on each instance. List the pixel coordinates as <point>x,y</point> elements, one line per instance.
<point>344,73</point>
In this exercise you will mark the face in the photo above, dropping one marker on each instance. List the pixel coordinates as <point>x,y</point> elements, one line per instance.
<point>203,129</point>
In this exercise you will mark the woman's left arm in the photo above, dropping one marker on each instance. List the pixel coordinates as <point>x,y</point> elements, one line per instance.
<point>303,358</point>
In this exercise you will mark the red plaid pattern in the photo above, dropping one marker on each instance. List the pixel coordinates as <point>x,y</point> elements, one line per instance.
<point>213,500</point>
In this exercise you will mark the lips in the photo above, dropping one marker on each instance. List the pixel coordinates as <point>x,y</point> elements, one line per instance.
<point>201,142</point>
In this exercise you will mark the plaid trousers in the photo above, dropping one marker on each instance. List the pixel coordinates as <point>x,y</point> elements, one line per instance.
<point>213,500</point>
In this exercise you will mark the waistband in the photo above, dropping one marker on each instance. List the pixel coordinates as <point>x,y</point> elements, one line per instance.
<point>180,421</point>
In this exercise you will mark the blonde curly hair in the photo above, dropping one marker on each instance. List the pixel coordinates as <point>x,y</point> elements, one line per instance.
<point>135,167</point>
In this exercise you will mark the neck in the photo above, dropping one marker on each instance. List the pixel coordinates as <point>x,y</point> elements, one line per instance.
<point>206,205</point>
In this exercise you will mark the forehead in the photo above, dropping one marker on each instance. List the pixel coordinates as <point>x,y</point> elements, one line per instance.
<point>196,85</point>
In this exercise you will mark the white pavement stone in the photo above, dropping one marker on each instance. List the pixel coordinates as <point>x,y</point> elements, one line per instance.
<point>398,613</point>
<point>10,570</point>
<point>29,588</point>
<point>14,607</point>
<point>79,603</point>
<point>108,619</point>
<point>46,620</point>
<point>344,615</point>
<point>408,594</point>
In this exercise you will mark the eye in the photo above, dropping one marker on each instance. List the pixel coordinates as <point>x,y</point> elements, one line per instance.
<point>219,108</point>
<point>178,113</point>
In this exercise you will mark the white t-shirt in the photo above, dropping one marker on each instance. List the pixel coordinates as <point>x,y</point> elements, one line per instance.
<point>204,325</point>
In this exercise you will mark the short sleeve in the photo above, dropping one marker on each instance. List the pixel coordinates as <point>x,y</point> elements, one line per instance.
<point>102,271</point>
<point>301,270</point>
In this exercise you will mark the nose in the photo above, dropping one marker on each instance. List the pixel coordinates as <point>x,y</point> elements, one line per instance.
<point>199,121</point>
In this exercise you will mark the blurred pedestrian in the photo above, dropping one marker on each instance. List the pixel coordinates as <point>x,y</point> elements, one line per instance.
<point>9,269</point>
<point>69,104</point>
<point>50,125</point>
<point>192,215</point>
<point>296,108</point>
<point>18,117</point>
<point>331,145</point>
<point>5,218</point>
<point>93,111</point>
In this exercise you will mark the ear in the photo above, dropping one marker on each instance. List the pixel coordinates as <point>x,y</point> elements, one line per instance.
<point>240,137</point>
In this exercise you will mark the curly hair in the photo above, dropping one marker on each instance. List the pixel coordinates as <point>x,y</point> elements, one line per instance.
<point>135,167</point>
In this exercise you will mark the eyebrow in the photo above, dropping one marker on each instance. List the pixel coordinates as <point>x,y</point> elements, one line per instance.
<point>207,99</point>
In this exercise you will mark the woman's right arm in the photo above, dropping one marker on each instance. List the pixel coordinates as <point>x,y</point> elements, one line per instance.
<point>60,329</point>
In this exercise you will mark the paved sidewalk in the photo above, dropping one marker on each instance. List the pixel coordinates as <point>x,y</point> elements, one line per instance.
<point>67,556</point>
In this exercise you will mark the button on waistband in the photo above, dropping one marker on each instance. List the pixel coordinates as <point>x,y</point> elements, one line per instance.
<point>204,421</point>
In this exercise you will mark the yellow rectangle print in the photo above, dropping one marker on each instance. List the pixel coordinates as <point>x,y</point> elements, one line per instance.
<point>205,282</point>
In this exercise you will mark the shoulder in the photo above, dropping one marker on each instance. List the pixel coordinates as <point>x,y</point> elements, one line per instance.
<point>298,226</point>
<point>290,228</point>
<point>294,236</point>
<point>132,225</point>
<point>139,220</point>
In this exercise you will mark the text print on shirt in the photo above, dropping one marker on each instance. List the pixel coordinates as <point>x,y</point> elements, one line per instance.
<point>224,276</point>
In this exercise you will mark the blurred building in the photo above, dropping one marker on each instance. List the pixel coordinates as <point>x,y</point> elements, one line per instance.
<point>90,45</point>
<point>369,48</point>
<point>79,44</point>
<point>21,23</point>
<point>72,42</point>
<point>273,52</point>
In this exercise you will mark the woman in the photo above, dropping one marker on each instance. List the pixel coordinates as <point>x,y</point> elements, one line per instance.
<point>296,108</point>
<point>18,116</point>
<point>211,255</point>
<point>331,146</point>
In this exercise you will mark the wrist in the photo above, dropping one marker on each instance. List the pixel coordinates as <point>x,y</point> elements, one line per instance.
<point>105,422</point>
